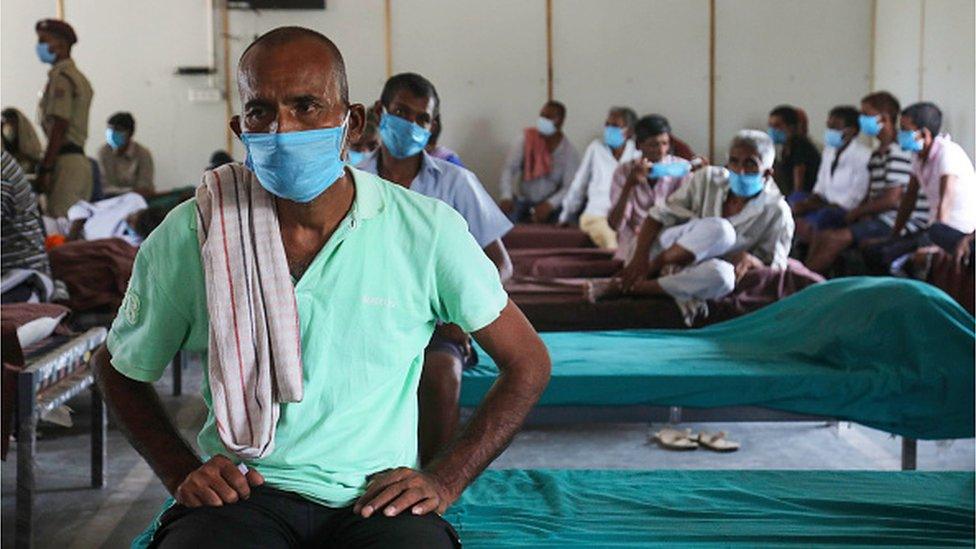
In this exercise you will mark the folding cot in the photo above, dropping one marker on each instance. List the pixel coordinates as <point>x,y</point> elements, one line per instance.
<point>890,354</point>
<point>584,508</point>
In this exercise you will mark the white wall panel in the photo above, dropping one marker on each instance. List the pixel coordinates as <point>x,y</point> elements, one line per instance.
<point>488,62</point>
<point>949,66</point>
<point>650,56</point>
<point>814,55</point>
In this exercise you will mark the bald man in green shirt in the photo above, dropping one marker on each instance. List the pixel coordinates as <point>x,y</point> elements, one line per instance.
<point>375,267</point>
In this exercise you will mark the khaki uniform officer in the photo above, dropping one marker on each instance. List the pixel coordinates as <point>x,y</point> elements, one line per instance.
<point>65,173</point>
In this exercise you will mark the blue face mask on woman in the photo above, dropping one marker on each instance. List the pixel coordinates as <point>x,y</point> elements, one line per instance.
<point>402,137</point>
<point>45,54</point>
<point>833,138</point>
<point>115,138</point>
<point>777,135</point>
<point>745,184</point>
<point>296,166</point>
<point>908,141</point>
<point>613,136</point>
<point>870,125</point>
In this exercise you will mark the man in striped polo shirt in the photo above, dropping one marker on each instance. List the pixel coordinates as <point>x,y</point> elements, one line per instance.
<point>870,223</point>
<point>23,235</point>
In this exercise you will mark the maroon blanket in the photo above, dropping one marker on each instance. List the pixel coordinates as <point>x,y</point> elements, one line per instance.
<point>545,236</point>
<point>96,272</point>
<point>559,305</point>
<point>13,316</point>
<point>562,262</point>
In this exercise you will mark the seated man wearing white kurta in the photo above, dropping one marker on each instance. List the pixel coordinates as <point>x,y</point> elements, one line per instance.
<point>712,230</point>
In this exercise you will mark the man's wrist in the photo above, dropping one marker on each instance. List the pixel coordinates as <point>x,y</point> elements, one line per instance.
<point>452,488</point>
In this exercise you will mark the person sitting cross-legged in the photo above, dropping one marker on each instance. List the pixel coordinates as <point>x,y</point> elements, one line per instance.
<point>711,231</point>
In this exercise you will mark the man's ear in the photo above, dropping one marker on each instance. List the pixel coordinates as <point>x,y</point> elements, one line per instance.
<point>377,108</point>
<point>357,124</point>
<point>235,125</point>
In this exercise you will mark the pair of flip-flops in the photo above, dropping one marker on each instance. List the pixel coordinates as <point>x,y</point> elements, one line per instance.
<point>682,440</point>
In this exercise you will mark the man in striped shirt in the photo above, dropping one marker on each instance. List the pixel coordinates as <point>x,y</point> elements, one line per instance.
<point>871,222</point>
<point>23,235</point>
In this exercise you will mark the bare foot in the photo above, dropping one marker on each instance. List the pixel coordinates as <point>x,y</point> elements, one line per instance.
<point>595,290</point>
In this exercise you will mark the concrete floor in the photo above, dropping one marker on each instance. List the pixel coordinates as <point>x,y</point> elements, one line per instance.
<point>70,515</point>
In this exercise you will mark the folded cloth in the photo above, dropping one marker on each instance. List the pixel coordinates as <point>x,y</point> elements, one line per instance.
<point>255,342</point>
<point>536,159</point>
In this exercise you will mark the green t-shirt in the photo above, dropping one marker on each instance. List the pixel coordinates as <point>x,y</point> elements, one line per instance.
<point>367,306</point>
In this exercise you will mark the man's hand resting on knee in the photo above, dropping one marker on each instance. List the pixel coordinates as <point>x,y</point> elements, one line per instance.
<point>216,482</point>
<point>397,490</point>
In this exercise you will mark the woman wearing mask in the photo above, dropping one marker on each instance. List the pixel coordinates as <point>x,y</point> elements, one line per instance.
<point>20,140</point>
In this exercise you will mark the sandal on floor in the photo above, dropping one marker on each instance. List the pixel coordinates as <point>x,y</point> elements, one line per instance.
<point>717,442</point>
<point>673,439</point>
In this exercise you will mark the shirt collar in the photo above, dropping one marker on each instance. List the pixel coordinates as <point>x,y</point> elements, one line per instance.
<point>61,65</point>
<point>427,165</point>
<point>369,199</point>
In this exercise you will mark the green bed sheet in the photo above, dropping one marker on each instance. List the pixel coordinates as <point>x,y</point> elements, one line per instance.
<point>526,508</point>
<point>891,354</point>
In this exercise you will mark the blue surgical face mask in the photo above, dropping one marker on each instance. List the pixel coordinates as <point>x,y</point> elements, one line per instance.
<point>296,166</point>
<point>669,169</point>
<point>545,126</point>
<point>354,158</point>
<point>833,138</point>
<point>908,141</point>
<point>777,135</point>
<point>613,136</point>
<point>45,54</point>
<point>870,125</point>
<point>115,138</point>
<point>745,184</point>
<point>402,137</point>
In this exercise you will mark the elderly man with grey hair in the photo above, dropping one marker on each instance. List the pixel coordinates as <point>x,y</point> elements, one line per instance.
<point>712,230</point>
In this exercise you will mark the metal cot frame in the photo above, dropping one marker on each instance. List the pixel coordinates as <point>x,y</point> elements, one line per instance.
<point>46,382</point>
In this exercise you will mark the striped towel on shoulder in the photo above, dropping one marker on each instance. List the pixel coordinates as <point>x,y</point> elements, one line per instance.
<point>255,343</point>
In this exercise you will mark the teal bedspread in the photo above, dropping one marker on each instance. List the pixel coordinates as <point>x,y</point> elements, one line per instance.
<point>891,354</point>
<point>518,508</point>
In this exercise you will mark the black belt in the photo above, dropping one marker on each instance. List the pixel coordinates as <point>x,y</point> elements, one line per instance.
<point>70,148</point>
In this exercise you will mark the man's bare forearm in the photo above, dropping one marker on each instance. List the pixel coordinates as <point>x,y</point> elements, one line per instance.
<point>523,376</point>
<point>140,415</point>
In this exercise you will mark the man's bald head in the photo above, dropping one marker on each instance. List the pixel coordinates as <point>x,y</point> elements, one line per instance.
<point>315,48</point>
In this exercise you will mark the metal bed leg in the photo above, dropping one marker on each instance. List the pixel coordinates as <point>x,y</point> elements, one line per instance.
<point>909,454</point>
<point>178,373</point>
<point>26,446</point>
<point>99,423</point>
<point>674,415</point>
